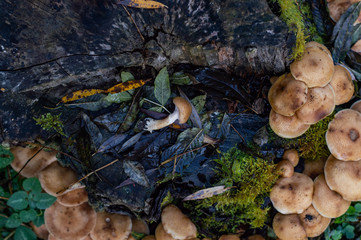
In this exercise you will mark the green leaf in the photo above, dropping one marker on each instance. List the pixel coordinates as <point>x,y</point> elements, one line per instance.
<point>6,157</point>
<point>126,76</point>
<point>349,232</point>
<point>28,215</point>
<point>156,109</point>
<point>24,233</point>
<point>199,102</point>
<point>34,196</point>
<point>358,207</point>
<point>118,97</point>
<point>39,220</point>
<point>13,221</point>
<point>162,86</point>
<point>32,184</point>
<point>45,201</point>
<point>18,200</point>
<point>180,78</point>
<point>3,221</point>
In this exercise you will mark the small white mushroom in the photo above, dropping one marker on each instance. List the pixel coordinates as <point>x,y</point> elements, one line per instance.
<point>182,111</point>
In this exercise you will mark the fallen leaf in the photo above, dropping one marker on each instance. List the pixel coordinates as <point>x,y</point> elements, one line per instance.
<point>142,4</point>
<point>126,86</point>
<point>80,94</point>
<point>207,193</point>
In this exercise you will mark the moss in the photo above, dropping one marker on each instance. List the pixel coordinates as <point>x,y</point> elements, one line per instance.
<point>312,145</point>
<point>252,179</point>
<point>50,122</point>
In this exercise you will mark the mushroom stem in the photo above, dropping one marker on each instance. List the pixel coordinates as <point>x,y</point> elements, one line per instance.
<point>152,124</point>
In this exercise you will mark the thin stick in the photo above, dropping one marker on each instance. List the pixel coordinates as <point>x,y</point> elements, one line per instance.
<point>4,198</point>
<point>237,132</point>
<point>88,175</point>
<point>171,158</point>
<point>133,22</point>
<point>157,104</point>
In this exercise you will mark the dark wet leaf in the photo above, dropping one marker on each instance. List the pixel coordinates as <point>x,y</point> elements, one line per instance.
<point>136,172</point>
<point>131,116</point>
<point>162,86</point>
<point>342,35</point>
<point>111,121</point>
<point>321,18</point>
<point>122,96</point>
<point>130,181</point>
<point>207,193</point>
<point>199,102</point>
<point>93,131</point>
<point>92,103</point>
<point>130,142</point>
<point>223,83</point>
<point>111,142</point>
<point>225,126</point>
<point>196,120</point>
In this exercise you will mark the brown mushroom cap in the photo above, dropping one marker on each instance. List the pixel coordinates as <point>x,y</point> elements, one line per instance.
<point>337,7</point>
<point>357,47</point>
<point>55,178</point>
<point>356,106</point>
<point>344,177</point>
<point>140,226</point>
<point>318,45</point>
<point>74,197</point>
<point>41,232</point>
<point>327,202</point>
<point>111,226</point>
<point>313,223</point>
<point>287,95</point>
<point>288,227</point>
<point>342,84</point>
<point>343,135</point>
<point>51,237</point>
<point>184,108</point>
<point>256,237</point>
<point>293,194</point>
<point>69,223</point>
<point>287,127</point>
<point>285,168</point>
<point>315,68</point>
<point>177,224</point>
<point>229,237</point>
<point>320,103</point>
<point>35,165</point>
<point>161,234</point>
<point>314,168</point>
<point>292,156</point>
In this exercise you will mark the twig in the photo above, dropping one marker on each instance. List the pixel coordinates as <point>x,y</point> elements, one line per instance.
<point>88,175</point>
<point>4,198</point>
<point>134,22</point>
<point>237,132</point>
<point>10,235</point>
<point>171,158</point>
<point>157,104</point>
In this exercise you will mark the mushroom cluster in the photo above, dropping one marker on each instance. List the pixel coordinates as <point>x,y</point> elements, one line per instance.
<point>309,93</point>
<point>305,206</point>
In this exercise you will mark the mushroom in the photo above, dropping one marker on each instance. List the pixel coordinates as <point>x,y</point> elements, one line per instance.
<point>337,7</point>
<point>287,95</point>
<point>318,45</point>
<point>182,112</point>
<point>178,225</point>
<point>320,103</point>
<point>313,223</point>
<point>111,226</point>
<point>285,168</point>
<point>327,202</point>
<point>343,135</point>
<point>356,106</point>
<point>293,194</point>
<point>287,127</point>
<point>315,68</point>
<point>288,227</point>
<point>40,160</point>
<point>41,231</point>
<point>314,168</point>
<point>344,177</point>
<point>292,156</point>
<point>229,237</point>
<point>161,234</point>
<point>69,223</point>
<point>55,178</point>
<point>357,47</point>
<point>256,237</point>
<point>342,85</point>
<point>140,226</point>
<point>74,197</point>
